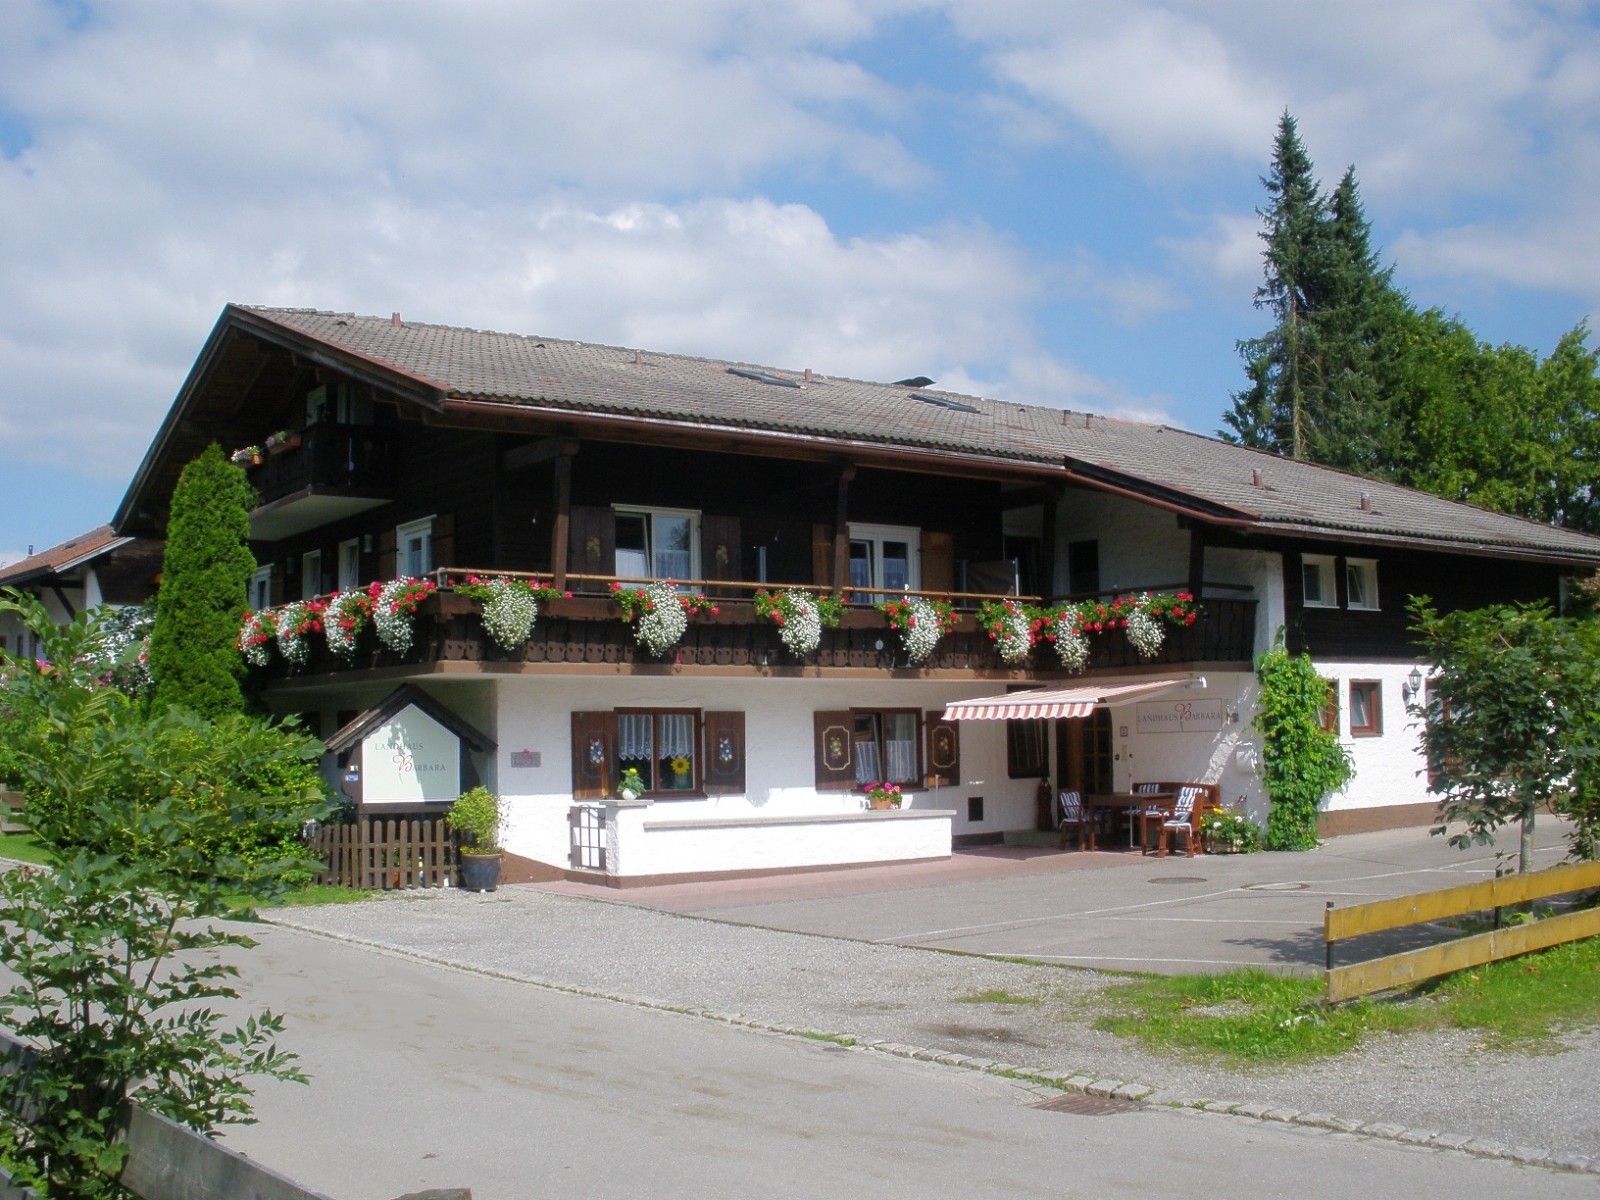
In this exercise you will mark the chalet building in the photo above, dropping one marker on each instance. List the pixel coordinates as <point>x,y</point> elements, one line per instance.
<point>95,568</point>
<point>384,449</point>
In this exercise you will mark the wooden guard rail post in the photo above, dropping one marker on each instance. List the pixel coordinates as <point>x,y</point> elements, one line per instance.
<point>168,1161</point>
<point>1397,970</point>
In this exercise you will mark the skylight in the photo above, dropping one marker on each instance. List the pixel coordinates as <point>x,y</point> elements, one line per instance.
<point>941,402</point>
<point>763,377</point>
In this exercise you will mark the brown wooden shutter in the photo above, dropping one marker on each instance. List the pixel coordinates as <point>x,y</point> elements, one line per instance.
<point>938,561</point>
<point>592,541</point>
<point>822,555</point>
<point>724,753</point>
<point>834,751</point>
<point>719,550</point>
<point>444,540</point>
<point>594,759</point>
<point>943,750</point>
<point>388,554</point>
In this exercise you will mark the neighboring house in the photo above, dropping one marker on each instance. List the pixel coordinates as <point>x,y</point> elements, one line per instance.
<point>424,450</point>
<point>98,567</point>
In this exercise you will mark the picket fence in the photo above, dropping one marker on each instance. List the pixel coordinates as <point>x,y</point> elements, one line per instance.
<point>385,854</point>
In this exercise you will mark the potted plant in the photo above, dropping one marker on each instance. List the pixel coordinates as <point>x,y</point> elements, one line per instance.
<point>478,816</point>
<point>631,786</point>
<point>883,795</point>
<point>1229,833</point>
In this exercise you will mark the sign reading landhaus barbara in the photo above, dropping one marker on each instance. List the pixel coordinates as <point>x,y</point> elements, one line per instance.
<point>411,758</point>
<point>1180,716</point>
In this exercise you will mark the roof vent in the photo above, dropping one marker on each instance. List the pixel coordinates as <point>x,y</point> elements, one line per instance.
<point>809,376</point>
<point>638,359</point>
<point>1366,501</point>
<point>763,377</point>
<point>941,402</point>
<point>915,381</point>
<point>1258,477</point>
<point>394,319</point>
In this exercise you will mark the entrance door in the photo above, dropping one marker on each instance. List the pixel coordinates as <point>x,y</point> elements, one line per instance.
<point>1083,753</point>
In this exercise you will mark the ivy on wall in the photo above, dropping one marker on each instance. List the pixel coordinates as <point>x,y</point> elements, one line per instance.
<point>1301,762</point>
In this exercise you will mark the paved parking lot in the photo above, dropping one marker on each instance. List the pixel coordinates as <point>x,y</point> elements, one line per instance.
<point>1106,909</point>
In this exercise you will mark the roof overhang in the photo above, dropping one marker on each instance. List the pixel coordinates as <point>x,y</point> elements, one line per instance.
<point>1052,703</point>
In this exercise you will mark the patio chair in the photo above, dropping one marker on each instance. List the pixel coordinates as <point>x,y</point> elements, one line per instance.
<point>1139,819</point>
<point>1071,818</point>
<point>1180,820</point>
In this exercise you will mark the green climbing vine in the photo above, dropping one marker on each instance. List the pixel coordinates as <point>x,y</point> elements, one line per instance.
<point>1301,762</point>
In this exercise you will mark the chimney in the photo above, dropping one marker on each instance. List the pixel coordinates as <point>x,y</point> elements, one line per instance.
<point>808,375</point>
<point>1257,478</point>
<point>1366,501</point>
<point>638,359</point>
<point>394,319</point>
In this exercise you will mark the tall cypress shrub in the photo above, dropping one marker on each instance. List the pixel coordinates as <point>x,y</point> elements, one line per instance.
<point>205,584</point>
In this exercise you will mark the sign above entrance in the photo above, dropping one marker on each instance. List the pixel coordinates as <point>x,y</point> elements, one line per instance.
<point>411,759</point>
<point>1180,716</point>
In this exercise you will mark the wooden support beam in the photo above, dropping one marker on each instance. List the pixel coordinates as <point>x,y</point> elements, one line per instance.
<point>544,450</point>
<point>841,529</point>
<point>563,519</point>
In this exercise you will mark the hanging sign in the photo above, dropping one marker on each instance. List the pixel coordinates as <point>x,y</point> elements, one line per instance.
<point>410,758</point>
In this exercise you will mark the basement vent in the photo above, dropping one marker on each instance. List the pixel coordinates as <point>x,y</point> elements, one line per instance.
<point>941,402</point>
<point>763,377</point>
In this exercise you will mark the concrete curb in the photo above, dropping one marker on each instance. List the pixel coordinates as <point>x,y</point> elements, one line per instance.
<point>1054,1078</point>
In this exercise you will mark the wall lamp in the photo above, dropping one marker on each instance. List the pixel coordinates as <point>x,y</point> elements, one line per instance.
<point>1412,685</point>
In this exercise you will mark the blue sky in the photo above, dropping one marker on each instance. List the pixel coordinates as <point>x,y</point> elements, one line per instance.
<point>1041,200</point>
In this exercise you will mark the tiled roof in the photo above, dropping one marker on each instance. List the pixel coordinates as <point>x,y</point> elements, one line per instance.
<point>1209,477</point>
<point>68,554</point>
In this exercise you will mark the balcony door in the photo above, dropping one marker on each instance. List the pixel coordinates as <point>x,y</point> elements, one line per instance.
<point>883,562</point>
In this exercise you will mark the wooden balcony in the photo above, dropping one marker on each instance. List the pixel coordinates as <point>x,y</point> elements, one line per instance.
<point>590,630</point>
<point>324,473</point>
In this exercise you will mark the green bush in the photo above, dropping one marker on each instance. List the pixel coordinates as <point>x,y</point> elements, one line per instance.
<point>1301,762</point>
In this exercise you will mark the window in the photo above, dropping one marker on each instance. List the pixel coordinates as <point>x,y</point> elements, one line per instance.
<point>1316,574</point>
<point>662,745</point>
<point>1027,749</point>
<point>1083,567</point>
<point>350,565</point>
<point>885,745</point>
<point>1366,715</point>
<point>414,545</point>
<point>311,574</point>
<point>884,558</point>
<point>657,544</point>
<point>261,588</point>
<point>1361,583</point>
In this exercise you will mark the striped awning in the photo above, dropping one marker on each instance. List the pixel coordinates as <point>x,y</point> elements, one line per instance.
<point>1055,702</point>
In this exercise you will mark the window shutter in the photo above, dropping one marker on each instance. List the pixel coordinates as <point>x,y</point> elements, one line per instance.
<point>388,556</point>
<point>822,555</point>
<point>834,751</point>
<point>938,561</point>
<point>720,558</point>
<point>444,540</point>
<point>591,540</point>
<point>594,761</point>
<point>724,753</point>
<point>943,750</point>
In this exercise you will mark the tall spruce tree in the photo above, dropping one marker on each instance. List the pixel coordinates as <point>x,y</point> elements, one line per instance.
<point>1314,391</point>
<point>205,582</point>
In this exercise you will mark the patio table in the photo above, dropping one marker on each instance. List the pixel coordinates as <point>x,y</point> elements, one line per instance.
<point>1114,802</point>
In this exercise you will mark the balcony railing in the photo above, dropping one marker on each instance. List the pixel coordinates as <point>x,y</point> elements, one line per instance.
<point>589,629</point>
<point>329,455</point>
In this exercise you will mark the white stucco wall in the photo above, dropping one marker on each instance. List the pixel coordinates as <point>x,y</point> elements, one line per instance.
<point>1140,546</point>
<point>534,714</point>
<point>1390,768</point>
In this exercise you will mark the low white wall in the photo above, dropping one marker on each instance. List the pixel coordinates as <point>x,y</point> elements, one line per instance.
<point>648,843</point>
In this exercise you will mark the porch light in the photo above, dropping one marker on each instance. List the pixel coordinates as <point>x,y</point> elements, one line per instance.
<point>1413,684</point>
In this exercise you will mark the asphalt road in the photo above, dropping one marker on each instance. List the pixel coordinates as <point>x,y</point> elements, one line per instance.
<point>431,1076</point>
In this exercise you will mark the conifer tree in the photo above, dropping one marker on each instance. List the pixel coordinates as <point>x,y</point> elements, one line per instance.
<point>205,581</point>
